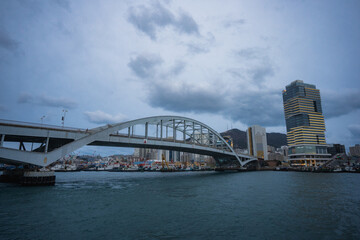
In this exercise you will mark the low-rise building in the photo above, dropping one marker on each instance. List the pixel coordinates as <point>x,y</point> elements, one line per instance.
<point>355,150</point>
<point>334,149</point>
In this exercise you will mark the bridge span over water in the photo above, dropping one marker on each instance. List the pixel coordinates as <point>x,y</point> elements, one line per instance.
<point>41,145</point>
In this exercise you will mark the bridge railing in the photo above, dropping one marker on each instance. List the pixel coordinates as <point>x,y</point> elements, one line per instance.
<point>38,125</point>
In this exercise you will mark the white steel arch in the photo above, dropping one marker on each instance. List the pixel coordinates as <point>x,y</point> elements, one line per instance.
<point>194,137</point>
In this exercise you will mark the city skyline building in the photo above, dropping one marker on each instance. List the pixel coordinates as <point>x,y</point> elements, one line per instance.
<point>334,149</point>
<point>355,150</point>
<point>257,142</point>
<point>305,124</point>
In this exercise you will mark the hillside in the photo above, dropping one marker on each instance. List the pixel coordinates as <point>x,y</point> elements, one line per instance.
<point>239,137</point>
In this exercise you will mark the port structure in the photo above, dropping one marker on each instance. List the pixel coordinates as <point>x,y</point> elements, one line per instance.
<point>41,145</point>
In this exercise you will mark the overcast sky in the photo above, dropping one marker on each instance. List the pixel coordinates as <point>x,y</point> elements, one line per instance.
<point>224,63</point>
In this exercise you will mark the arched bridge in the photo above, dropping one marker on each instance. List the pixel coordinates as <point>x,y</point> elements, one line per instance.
<point>42,145</point>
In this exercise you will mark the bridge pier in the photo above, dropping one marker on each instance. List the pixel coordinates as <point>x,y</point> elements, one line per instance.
<point>28,177</point>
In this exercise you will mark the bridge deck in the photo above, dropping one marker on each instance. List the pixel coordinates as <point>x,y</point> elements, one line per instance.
<point>57,141</point>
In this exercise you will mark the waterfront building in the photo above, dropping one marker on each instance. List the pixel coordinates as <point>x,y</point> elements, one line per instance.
<point>271,149</point>
<point>256,141</point>
<point>355,150</point>
<point>229,140</point>
<point>145,153</point>
<point>285,152</point>
<point>305,125</point>
<point>275,156</point>
<point>334,149</point>
<point>137,152</point>
<point>241,150</point>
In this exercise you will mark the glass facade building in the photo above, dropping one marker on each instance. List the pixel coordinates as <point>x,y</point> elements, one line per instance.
<point>257,142</point>
<point>305,124</point>
<point>303,114</point>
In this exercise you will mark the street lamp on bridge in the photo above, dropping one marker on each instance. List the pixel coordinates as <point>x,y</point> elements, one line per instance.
<point>63,116</point>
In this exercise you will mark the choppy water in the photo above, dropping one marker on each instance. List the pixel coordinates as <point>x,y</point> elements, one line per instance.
<point>186,205</point>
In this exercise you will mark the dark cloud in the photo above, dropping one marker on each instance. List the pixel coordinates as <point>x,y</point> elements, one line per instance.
<point>7,42</point>
<point>257,107</point>
<point>244,103</point>
<point>262,108</point>
<point>186,24</point>
<point>355,131</point>
<point>144,66</point>
<point>259,74</point>
<point>149,19</point>
<point>258,65</point>
<point>177,68</point>
<point>184,98</point>
<point>2,108</point>
<point>25,98</point>
<point>47,101</point>
<point>340,103</point>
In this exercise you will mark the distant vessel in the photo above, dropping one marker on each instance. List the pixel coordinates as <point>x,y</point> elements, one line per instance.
<point>70,167</point>
<point>109,167</point>
<point>57,167</point>
<point>132,168</point>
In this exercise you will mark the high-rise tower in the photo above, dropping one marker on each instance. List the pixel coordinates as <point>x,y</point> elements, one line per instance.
<point>256,141</point>
<point>304,124</point>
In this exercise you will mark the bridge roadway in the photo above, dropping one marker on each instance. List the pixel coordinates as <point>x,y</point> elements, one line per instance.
<point>41,145</point>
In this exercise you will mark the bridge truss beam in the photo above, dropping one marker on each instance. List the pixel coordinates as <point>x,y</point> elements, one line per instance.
<point>181,134</point>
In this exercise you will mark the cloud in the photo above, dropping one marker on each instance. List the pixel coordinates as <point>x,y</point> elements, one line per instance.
<point>7,42</point>
<point>25,98</point>
<point>62,28</point>
<point>236,73</point>
<point>45,100</point>
<point>177,68</point>
<point>242,103</point>
<point>201,45</point>
<point>184,98</point>
<point>234,23</point>
<point>144,66</point>
<point>239,95</point>
<point>196,48</point>
<point>259,74</point>
<point>250,107</point>
<point>149,19</point>
<point>186,24</point>
<point>64,4</point>
<point>354,130</point>
<point>57,102</point>
<point>256,63</point>
<point>336,104</point>
<point>262,107</point>
<point>99,117</point>
<point>251,53</point>
<point>2,108</point>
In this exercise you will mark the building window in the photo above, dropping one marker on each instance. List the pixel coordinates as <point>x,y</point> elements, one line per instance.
<point>315,106</point>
